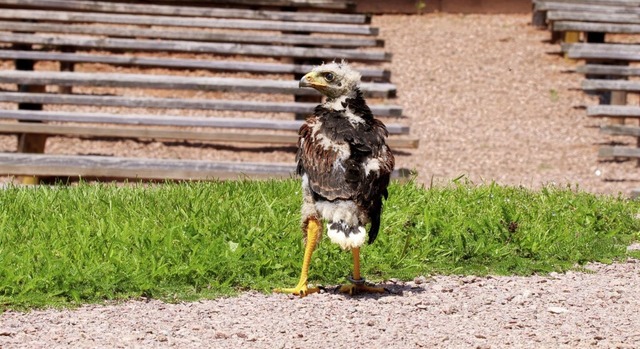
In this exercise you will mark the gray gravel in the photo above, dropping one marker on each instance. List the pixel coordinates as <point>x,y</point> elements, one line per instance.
<point>597,309</point>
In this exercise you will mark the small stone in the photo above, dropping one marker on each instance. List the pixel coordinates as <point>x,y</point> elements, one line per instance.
<point>30,329</point>
<point>470,279</point>
<point>162,338</point>
<point>371,323</point>
<point>222,335</point>
<point>447,289</point>
<point>557,310</point>
<point>420,280</point>
<point>450,310</point>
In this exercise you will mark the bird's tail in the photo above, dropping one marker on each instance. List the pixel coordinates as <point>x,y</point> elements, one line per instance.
<point>375,211</point>
<point>374,228</point>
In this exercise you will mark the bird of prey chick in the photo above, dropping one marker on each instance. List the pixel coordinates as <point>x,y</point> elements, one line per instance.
<point>345,166</point>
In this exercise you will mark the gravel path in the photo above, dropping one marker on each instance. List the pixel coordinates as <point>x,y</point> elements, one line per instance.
<point>487,101</point>
<point>572,310</point>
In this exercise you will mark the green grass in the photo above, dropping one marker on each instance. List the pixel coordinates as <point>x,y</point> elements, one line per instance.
<point>62,246</point>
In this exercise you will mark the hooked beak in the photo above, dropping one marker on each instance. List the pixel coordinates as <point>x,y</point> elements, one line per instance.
<point>309,80</point>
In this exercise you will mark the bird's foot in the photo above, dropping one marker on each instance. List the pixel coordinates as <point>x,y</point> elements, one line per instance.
<point>359,286</point>
<point>301,290</point>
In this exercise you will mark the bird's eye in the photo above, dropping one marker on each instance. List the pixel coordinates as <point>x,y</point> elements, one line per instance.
<point>329,77</point>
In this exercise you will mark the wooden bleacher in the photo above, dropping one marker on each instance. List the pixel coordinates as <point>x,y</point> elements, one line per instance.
<point>585,28</point>
<point>246,38</point>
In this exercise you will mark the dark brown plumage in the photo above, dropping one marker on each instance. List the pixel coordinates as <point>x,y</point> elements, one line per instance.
<point>333,175</point>
<point>345,166</point>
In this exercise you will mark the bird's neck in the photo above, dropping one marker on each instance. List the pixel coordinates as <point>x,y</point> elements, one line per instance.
<point>350,100</point>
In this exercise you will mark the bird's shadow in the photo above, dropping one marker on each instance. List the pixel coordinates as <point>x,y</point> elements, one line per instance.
<point>390,289</point>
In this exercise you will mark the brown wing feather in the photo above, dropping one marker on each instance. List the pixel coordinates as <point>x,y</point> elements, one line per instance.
<point>328,177</point>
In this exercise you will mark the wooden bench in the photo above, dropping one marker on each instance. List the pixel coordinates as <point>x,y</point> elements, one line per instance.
<point>607,70</point>
<point>235,47</point>
<point>583,26</point>
<point>568,20</point>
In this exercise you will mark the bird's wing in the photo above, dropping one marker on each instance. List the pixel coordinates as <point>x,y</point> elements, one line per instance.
<point>345,162</point>
<point>322,160</point>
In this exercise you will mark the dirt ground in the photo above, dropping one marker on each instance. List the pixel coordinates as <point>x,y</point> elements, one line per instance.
<point>488,101</point>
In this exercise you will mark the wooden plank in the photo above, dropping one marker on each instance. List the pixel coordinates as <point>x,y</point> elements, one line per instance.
<point>560,6</point>
<point>624,18</point>
<point>611,85</point>
<point>177,103</point>
<point>146,133</point>
<point>563,26</point>
<point>117,167</point>
<point>626,111</point>
<point>215,12</point>
<point>596,2</point>
<point>213,65</point>
<point>328,54</point>
<point>605,69</point>
<point>634,48</point>
<point>167,120</point>
<point>170,133</point>
<point>324,4</point>
<point>192,35</point>
<point>607,52</point>
<point>616,151</point>
<point>383,90</point>
<point>192,22</point>
<point>620,130</point>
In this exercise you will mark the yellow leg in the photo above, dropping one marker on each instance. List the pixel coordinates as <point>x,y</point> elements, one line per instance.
<point>358,284</point>
<point>301,289</point>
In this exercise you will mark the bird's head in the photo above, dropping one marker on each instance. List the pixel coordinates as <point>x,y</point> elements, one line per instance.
<point>332,79</point>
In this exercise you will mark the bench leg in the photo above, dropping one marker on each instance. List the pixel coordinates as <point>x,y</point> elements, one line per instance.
<point>68,67</point>
<point>570,38</point>
<point>31,143</point>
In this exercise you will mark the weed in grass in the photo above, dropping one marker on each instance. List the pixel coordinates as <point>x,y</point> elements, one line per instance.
<point>69,245</point>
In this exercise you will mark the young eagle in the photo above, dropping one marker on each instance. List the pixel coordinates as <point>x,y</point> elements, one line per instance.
<point>345,166</point>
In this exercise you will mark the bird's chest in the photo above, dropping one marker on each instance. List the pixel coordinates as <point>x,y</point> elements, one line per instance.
<point>339,135</point>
